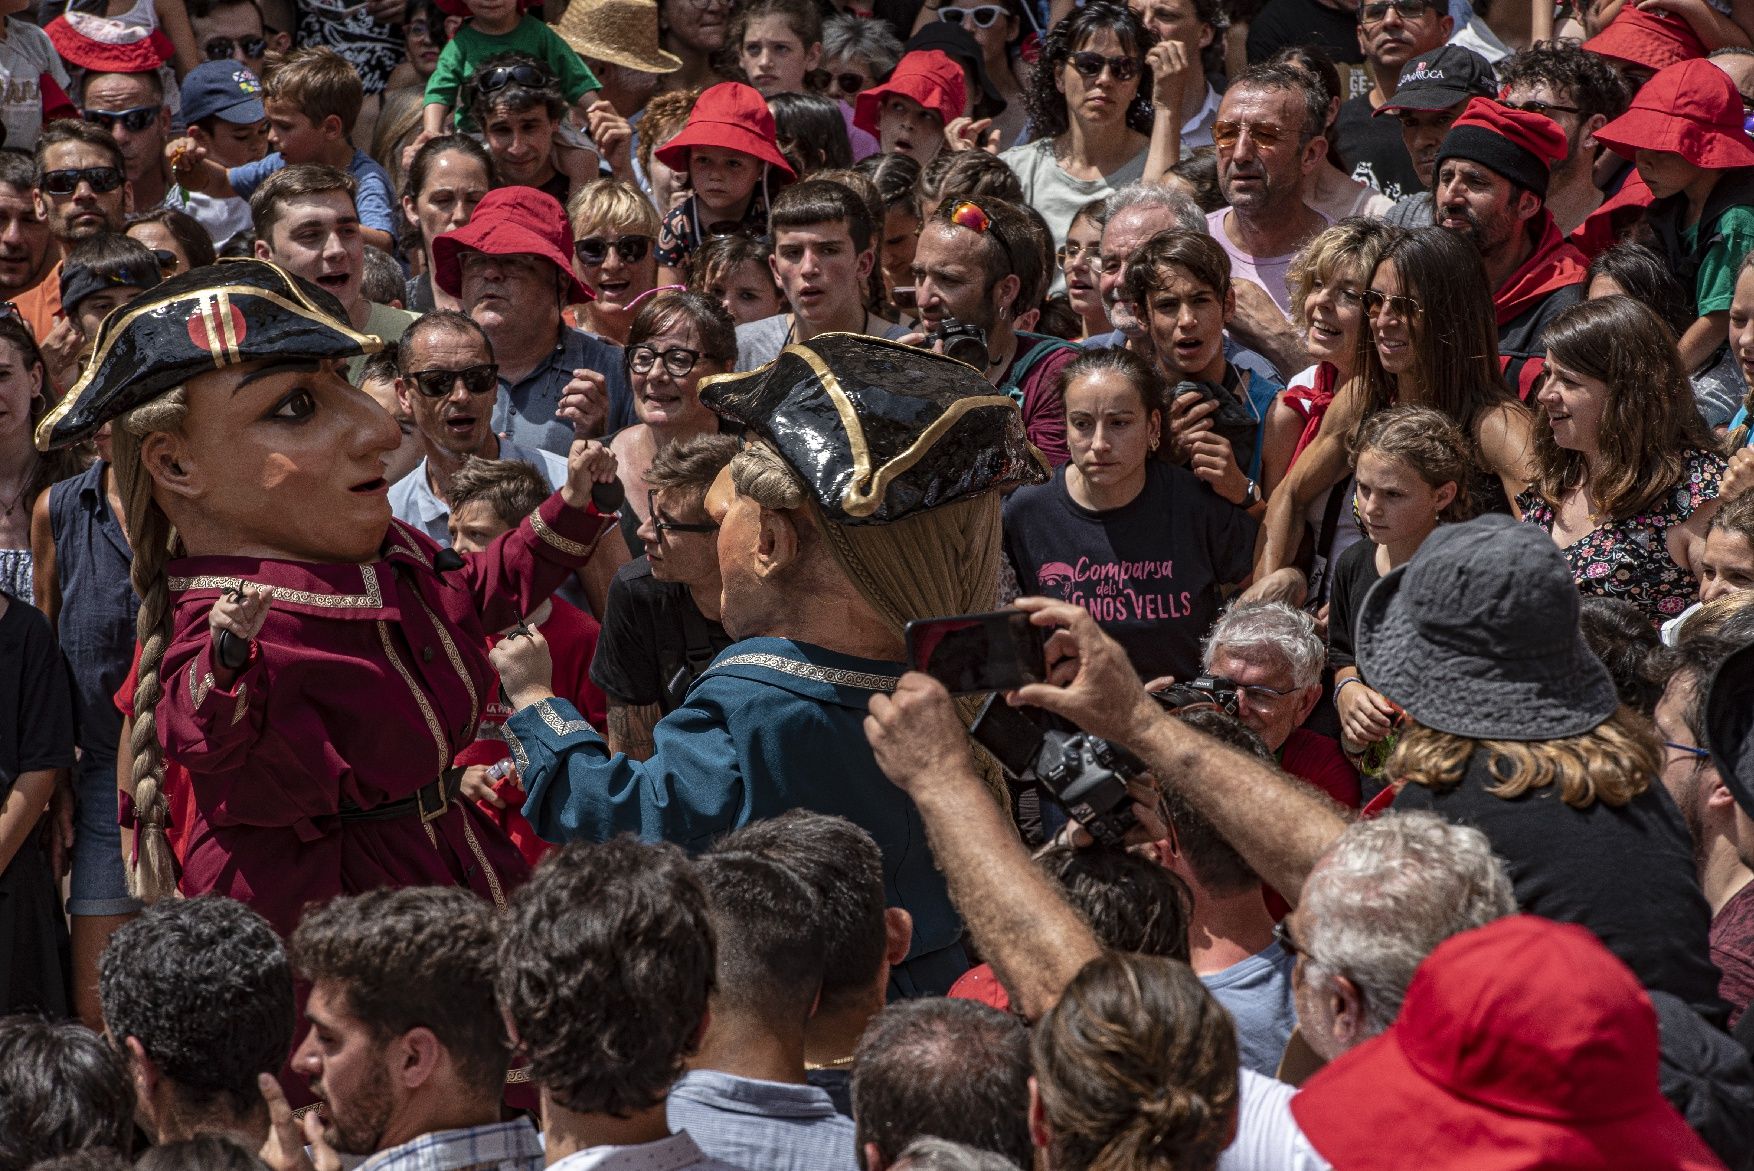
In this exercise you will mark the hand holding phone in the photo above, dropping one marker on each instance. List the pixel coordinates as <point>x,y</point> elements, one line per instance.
<point>975,653</point>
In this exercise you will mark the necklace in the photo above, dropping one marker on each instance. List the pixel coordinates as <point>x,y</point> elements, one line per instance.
<point>17,498</point>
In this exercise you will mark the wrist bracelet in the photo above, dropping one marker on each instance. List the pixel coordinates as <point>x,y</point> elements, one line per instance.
<point>1341,685</point>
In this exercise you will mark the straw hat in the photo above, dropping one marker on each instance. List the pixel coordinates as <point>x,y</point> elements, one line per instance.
<point>622,32</point>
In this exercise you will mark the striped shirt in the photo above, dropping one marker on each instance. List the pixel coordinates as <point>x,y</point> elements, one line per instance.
<point>500,1146</point>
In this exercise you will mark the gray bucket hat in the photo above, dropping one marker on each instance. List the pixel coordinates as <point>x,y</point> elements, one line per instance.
<point>1478,636</point>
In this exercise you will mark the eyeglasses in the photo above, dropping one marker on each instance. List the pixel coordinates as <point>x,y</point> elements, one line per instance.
<point>1091,65</point>
<point>594,250</point>
<point>1282,937</point>
<point>1534,107</point>
<point>660,526</point>
<point>219,48</point>
<point>847,83</point>
<point>1071,255</point>
<point>1406,308</point>
<point>1225,135</point>
<point>103,180</point>
<point>983,15</point>
<point>495,79</point>
<point>678,361</point>
<point>438,383</point>
<point>1260,694</point>
<point>1692,750</point>
<point>1378,11</point>
<point>133,120</point>
<point>969,215</point>
<point>167,260</point>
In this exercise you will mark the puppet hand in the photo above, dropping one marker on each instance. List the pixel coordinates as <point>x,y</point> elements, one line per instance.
<point>525,666</point>
<point>242,612</point>
<point>915,733</point>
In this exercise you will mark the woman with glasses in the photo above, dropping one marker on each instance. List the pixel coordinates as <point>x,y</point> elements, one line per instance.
<point>614,228</point>
<point>448,177</point>
<point>857,53</point>
<point>1001,30</point>
<point>1089,108</point>
<point>1626,472</point>
<point>677,339</point>
<point>1080,260</point>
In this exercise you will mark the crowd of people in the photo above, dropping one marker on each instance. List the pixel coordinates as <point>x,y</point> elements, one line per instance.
<point>528,761</point>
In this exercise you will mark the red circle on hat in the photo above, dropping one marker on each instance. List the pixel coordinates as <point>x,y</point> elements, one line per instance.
<point>209,333</point>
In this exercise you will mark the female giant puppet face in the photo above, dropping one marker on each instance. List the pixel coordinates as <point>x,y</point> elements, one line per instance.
<point>280,458</point>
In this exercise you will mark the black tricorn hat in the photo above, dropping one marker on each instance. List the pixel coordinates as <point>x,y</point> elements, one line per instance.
<point>205,319</point>
<point>1729,724</point>
<point>878,430</point>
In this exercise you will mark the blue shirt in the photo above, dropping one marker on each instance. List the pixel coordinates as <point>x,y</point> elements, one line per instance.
<point>499,1146</point>
<point>375,199</point>
<point>1257,991</point>
<point>771,1125</point>
<point>412,499</point>
<point>524,411</point>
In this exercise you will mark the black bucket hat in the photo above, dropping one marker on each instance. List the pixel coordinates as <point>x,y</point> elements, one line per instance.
<point>205,319</point>
<point>959,45</point>
<point>878,431</point>
<point>1729,720</point>
<point>1478,636</point>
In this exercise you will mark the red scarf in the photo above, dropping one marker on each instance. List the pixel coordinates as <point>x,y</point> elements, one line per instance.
<point>1554,264</point>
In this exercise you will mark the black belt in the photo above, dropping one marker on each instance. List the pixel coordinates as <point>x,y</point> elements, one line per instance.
<point>429,801</point>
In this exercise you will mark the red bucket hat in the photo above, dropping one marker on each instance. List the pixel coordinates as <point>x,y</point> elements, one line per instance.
<point>1522,1044</point>
<point>509,221</point>
<point>1654,40</point>
<point>733,116</point>
<point>103,45</point>
<point>929,77</point>
<point>1692,109</point>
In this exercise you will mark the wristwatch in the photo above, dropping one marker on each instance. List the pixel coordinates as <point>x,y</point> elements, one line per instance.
<point>1251,495</point>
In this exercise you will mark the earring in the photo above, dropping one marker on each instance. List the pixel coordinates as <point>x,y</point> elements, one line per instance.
<point>1154,443</point>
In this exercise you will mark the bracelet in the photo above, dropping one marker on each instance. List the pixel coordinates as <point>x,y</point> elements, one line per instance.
<point>1341,685</point>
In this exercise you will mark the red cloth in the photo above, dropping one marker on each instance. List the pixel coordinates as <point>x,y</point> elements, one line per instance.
<point>980,983</point>
<point>1554,264</point>
<point>1535,133</point>
<point>1319,760</point>
<point>928,76</point>
<point>56,103</point>
<point>1650,39</point>
<point>1312,402</point>
<point>1692,109</point>
<point>732,116</point>
<point>507,221</point>
<point>1619,213</point>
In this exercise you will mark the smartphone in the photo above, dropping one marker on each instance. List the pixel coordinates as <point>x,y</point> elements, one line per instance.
<point>974,653</point>
<point>904,298</point>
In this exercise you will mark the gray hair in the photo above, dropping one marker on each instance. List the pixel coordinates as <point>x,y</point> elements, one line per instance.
<point>936,1154</point>
<point>1249,628</point>
<point>1188,215</point>
<point>1386,893</point>
<point>864,37</point>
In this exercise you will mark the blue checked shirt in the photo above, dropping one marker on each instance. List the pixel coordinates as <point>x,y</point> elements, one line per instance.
<point>501,1146</point>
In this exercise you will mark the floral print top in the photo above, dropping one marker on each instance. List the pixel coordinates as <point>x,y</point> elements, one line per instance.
<point>1629,558</point>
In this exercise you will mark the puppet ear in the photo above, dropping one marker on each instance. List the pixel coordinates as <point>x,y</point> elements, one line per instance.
<point>778,545</point>
<point>164,458</point>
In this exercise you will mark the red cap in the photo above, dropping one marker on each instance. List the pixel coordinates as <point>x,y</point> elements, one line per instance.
<point>981,983</point>
<point>929,77</point>
<point>509,221</point>
<point>1692,109</point>
<point>1518,144</point>
<point>1524,1043</point>
<point>1653,39</point>
<point>732,116</point>
<point>103,45</point>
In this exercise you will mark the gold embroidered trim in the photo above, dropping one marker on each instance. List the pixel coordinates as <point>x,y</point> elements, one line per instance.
<point>455,658</point>
<point>432,724</point>
<point>517,1077</point>
<point>557,725</point>
<point>198,688</point>
<point>243,705</point>
<point>481,857</point>
<point>407,544</point>
<point>569,547</point>
<point>517,747</point>
<point>834,675</point>
<point>373,597</point>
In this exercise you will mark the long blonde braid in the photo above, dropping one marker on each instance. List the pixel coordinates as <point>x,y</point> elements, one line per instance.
<point>154,875</point>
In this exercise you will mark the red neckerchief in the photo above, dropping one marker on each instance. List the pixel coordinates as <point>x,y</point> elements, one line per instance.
<point>1553,265</point>
<point>1313,403</point>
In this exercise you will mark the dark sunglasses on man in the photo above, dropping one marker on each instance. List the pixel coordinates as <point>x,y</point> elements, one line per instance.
<point>594,250</point>
<point>220,48</point>
<point>103,180</point>
<point>477,380</point>
<point>1377,11</point>
<point>133,120</point>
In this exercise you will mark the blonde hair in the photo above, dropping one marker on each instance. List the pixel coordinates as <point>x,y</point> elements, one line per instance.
<point>1611,763</point>
<point>153,876</point>
<point>610,203</point>
<point>319,81</point>
<point>1351,246</point>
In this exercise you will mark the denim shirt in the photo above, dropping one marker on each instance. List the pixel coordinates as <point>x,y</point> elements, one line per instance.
<point>524,410</point>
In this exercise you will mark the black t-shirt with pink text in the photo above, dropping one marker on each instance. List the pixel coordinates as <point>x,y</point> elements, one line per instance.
<point>1149,572</point>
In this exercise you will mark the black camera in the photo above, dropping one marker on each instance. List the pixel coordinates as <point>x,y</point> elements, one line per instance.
<point>1084,775</point>
<point>1206,691</point>
<point>966,343</point>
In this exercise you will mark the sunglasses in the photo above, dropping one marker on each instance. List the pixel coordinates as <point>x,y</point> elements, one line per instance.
<point>594,250</point>
<point>476,380</point>
<point>1091,65</point>
<point>660,526</point>
<point>167,260</point>
<point>103,180</point>
<point>1225,135</point>
<point>1406,308</point>
<point>678,361</point>
<point>132,120</point>
<point>1534,107</point>
<point>495,79</point>
<point>969,215</point>
<point>847,83</point>
<point>219,48</point>
<point>1378,10</point>
<point>982,15</point>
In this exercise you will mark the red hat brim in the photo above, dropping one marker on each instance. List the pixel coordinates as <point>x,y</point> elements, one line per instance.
<point>921,85</point>
<point>1375,1090</point>
<point>1703,146</point>
<point>726,136</point>
<point>142,56</point>
<point>498,235</point>
<point>1651,40</point>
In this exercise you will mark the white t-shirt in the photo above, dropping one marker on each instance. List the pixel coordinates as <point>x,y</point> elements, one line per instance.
<point>1058,196</point>
<point>1267,1136</point>
<point>26,53</point>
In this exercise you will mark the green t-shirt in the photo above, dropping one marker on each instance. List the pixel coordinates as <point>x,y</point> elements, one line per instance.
<point>470,48</point>
<point>1716,284</point>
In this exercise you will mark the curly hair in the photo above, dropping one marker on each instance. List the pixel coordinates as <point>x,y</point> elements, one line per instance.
<point>606,964</point>
<point>1136,1068</point>
<point>205,987</point>
<point>1613,762</point>
<point>415,957</point>
<point>1349,248</point>
<point>1572,72</point>
<point>1131,902</point>
<point>1048,115</point>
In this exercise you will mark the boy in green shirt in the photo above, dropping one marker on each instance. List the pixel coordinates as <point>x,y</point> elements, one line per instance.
<point>499,26</point>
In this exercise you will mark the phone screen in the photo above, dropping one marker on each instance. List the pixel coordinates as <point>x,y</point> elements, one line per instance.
<point>973,653</point>
<point>904,297</point>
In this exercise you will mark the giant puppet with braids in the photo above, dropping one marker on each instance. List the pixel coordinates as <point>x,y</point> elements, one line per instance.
<point>308,664</point>
<point>868,496</point>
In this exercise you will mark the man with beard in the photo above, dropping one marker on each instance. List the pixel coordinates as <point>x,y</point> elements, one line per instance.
<point>1394,35</point>
<point>1429,97</point>
<point>1492,174</point>
<point>406,1051</point>
<point>29,277</point>
<point>1581,92</point>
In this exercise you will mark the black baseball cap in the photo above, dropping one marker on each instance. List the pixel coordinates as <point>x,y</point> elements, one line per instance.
<point>1437,81</point>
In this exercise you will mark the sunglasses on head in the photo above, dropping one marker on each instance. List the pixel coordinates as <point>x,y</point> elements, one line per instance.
<point>982,15</point>
<point>1091,65</point>
<point>1377,11</point>
<point>970,215</point>
<point>133,120</point>
<point>594,250</point>
<point>103,180</point>
<point>1544,108</point>
<point>495,79</point>
<point>438,383</point>
<point>219,48</point>
<point>1225,135</point>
